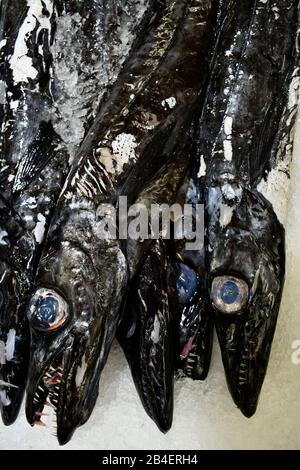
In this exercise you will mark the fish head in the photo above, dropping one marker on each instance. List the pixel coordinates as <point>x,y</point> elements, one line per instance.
<point>187,292</point>
<point>246,268</point>
<point>146,336</point>
<point>72,325</point>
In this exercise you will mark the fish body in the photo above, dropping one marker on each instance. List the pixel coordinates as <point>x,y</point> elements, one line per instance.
<point>57,61</point>
<point>147,331</point>
<point>146,335</point>
<point>21,131</point>
<point>188,295</point>
<point>154,302</point>
<point>80,272</point>
<point>240,130</point>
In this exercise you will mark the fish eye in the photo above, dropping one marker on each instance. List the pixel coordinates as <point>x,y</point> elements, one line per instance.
<point>47,310</point>
<point>187,283</point>
<point>229,294</point>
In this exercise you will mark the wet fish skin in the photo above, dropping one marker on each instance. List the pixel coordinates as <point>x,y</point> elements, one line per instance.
<point>194,325</point>
<point>73,244</point>
<point>35,147</point>
<point>188,268</point>
<point>147,297</point>
<point>147,332</point>
<point>18,244</point>
<point>133,94</point>
<point>146,335</point>
<point>247,97</point>
<point>188,295</point>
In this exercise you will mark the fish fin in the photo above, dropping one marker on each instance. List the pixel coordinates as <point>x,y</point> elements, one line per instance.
<point>38,155</point>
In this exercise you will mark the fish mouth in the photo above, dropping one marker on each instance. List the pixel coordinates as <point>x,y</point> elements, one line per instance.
<point>47,392</point>
<point>196,363</point>
<point>254,261</point>
<point>63,395</point>
<point>246,337</point>
<point>51,396</point>
<point>245,347</point>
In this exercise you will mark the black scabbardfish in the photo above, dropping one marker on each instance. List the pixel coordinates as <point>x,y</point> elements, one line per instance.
<point>165,325</point>
<point>155,299</point>
<point>146,335</point>
<point>188,286</point>
<point>82,277</point>
<point>57,60</point>
<point>244,114</point>
<point>23,130</point>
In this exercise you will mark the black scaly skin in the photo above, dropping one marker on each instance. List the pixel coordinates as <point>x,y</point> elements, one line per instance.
<point>90,274</point>
<point>250,77</point>
<point>34,159</point>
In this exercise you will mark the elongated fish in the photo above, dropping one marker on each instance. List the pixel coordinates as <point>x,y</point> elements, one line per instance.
<point>58,58</point>
<point>147,330</point>
<point>188,287</point>
<point>147,338</point>
<point>169,292</point>
<point>165,325</point>
<point>245,137</point>
<point>23,133</point>
<point>82,277</point>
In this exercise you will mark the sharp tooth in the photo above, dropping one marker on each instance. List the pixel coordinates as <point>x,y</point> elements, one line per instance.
<point>39,423</point>
<point>40,413</point>
<point>7,384</point>
<point>53,381</point>
<point>47,403</point>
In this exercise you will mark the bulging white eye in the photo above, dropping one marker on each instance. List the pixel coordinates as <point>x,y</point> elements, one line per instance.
<point>47,310</point>
<point>229,294</point>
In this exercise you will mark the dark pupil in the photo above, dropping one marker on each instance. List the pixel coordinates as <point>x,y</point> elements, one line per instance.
<point>48,310</point>
<point>229,292</point>
<point>186,283</point>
